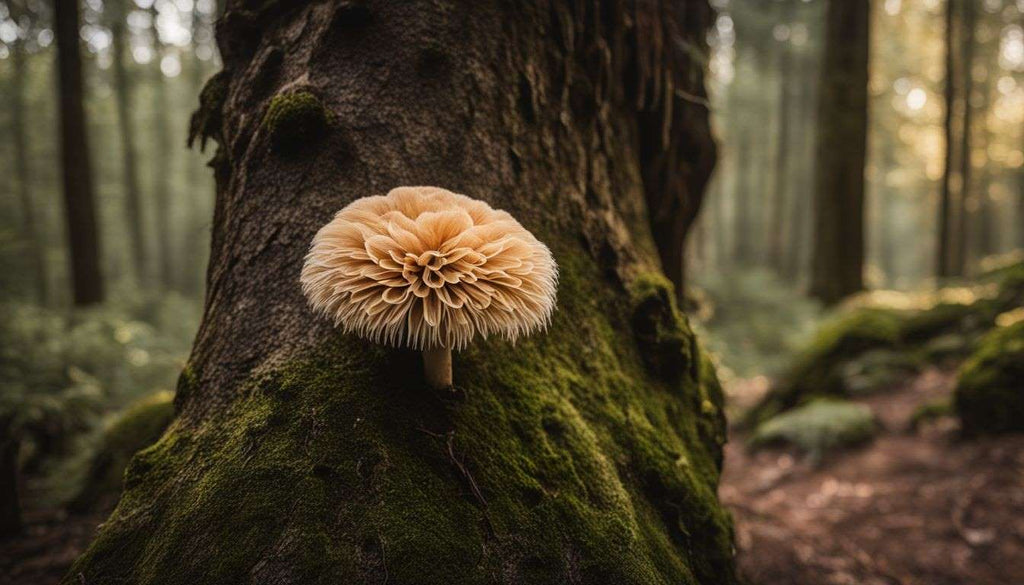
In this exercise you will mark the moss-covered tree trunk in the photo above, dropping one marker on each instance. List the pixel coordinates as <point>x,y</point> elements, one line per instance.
<point>588,454</point>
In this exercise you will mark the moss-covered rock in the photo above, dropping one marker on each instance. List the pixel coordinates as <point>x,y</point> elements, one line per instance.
<point>989,396</point>
<point>868,348</point>
<point>819,369</point>
<point>294,121</point>
<point>818,427</point>
<point>139,426</point>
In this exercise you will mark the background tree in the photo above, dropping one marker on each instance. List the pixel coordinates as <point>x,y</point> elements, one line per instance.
<point>124,95</point>
<point>838,252</point>
<point>164,160</point>
<point>79,202</point>
<point>25,20</point>
<point>303,455</point>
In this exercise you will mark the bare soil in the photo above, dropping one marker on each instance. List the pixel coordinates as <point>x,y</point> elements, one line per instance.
<point>51,541</point>
<point>910,508</point>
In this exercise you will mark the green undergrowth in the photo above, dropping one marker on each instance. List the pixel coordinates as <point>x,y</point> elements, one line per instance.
<point>137,427</point>
<point>989,397</point>
<point>819,427</point>
<point>872,346</point>
<point>752,320</point>
<point>588,454</point>
<point>64,372</point>
<point>930,412</point>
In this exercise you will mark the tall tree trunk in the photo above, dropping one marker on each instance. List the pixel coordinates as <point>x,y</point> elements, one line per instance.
<point>799,204</point>
<point>79,202</point>
<point>946,245</point>
<point>123,95</point>
<point>886,239</point>
<point>10,504</point>
<point>164,161</point>
<point>986,225</point>
<point>780,193</point>
<point>781,189</point>
<point>838,252</point>
<point>962,212</point>
<point>588,454</point>
<point>720,223</point>
<point>744,196</point>
<point>24,174</point>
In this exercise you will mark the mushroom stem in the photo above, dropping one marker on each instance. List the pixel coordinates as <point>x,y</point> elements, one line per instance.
<point>437,367</point>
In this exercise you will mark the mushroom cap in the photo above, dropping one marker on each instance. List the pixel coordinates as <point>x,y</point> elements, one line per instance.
<point>427,268</point>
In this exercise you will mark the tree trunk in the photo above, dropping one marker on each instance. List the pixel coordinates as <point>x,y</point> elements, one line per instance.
<point>24,173</point>
<point>163,163</point>
<point>838,251</point>
<point>10,504</point>
<point>946,245</point>
<point>123,94</point>
<point>586,454</point>
<point>781,192</point>
<point>986,224</point>
<point>799,204</point>
<point>967,82</point>
<point>79,203</point>
<point>744,198</point>
<point>886,211</point>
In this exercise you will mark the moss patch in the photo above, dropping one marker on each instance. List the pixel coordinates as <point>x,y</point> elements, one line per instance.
<point>566,459</point>
<point>818,427</point>
<point>818,370</point>
<point>295,121</point>
<point>871,348</point>
<point>989,396</point>
<point>930,411</point>
<point>139,426</point>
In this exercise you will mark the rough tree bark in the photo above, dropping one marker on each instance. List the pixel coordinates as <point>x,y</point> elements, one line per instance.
<point>588,454</point>
<point>838,254</point>
<point>79,202</point>
<point>123,95</point>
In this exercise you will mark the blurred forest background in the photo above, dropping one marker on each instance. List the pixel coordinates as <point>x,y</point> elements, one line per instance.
<point>933,217</point>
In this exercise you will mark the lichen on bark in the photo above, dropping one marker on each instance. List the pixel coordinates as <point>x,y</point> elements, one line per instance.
<point>301,455</point>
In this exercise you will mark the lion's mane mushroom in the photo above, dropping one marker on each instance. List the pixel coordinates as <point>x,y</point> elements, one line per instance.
<point>429,269</point>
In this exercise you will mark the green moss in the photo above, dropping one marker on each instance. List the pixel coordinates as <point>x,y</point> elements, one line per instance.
<point>819,427</point>
<point>818,370</point>
<point>661,330</point>
<point>295,121</point>
<point>139,426</point>
<point>566,458</point>
<point>989,397</point>
<point>931,411</point>
<point>943,318</point>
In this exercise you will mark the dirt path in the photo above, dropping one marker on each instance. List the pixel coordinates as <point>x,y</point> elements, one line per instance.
<point>920,508</point>
<point>51,542</point>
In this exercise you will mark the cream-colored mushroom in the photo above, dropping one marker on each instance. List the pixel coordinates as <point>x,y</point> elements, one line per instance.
<point>429,269</point>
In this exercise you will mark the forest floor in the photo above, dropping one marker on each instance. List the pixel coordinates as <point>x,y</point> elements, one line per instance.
<point>920,507</point>
<point>910,508</point>
<point>52,540</point>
